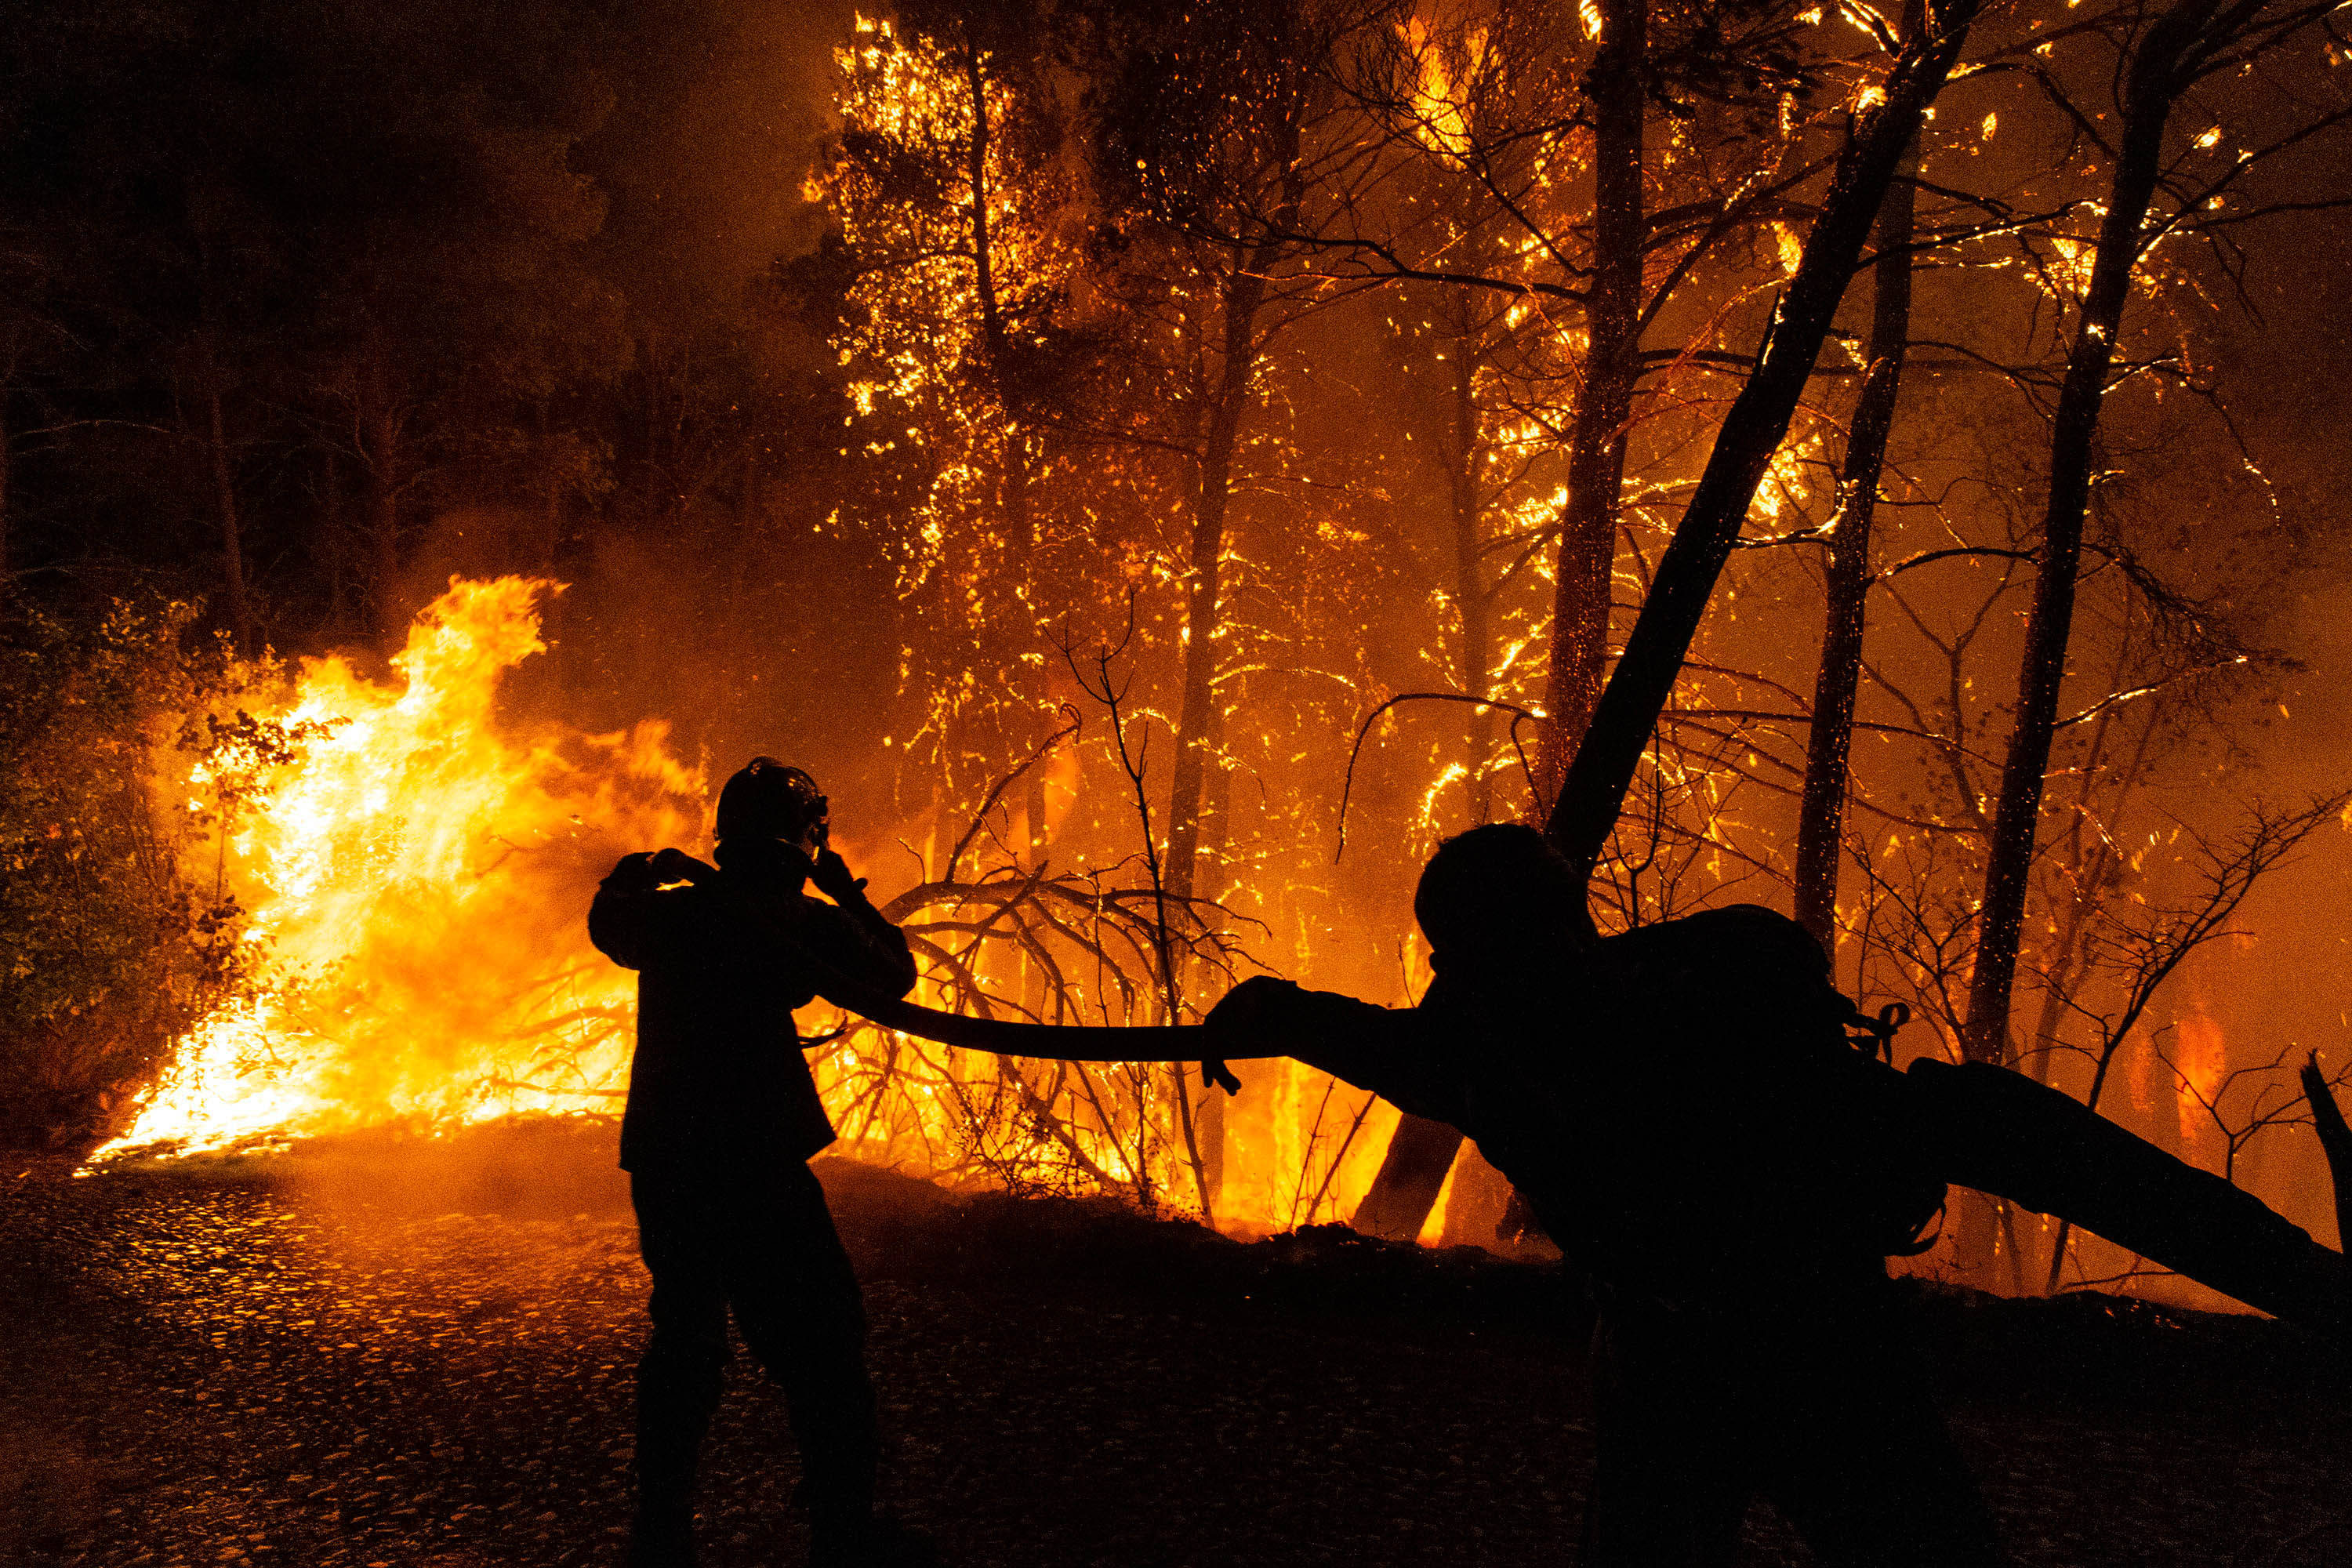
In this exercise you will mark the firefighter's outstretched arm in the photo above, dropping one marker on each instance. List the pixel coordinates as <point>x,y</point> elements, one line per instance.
<point>1399,1053</point>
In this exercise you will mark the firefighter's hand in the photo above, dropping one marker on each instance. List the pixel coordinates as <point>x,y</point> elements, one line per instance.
<point>830,875</point>
<point>677,866</point>
<point>1253,1010</point>
<point>632,874</point>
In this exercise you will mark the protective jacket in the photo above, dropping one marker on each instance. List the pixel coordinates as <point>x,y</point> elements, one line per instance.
<point>719,1083</point>
<point>1679,1106</point>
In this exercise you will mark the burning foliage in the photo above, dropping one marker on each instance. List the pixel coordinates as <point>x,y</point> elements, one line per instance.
<point>873,378</point>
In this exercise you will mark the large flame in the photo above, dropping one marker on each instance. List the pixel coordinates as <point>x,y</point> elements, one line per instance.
<point>417,883</point>
<point>417,880</point>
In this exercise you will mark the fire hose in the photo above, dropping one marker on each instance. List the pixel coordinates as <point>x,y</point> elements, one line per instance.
<point>1983,1126</point>
<point>999,1036</point>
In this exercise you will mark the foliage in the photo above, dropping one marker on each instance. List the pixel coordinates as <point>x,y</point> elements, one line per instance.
<point>115,940</point>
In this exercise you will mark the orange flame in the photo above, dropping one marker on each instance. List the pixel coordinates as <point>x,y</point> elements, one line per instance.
<point>2202,1057</point>
<point>418,881</point>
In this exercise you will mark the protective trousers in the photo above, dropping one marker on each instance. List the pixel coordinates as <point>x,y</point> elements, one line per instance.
<point>763,1243</point>
<point>1830,1420</point>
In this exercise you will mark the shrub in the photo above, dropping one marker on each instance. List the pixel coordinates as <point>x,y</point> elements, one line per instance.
<point>109,947</point>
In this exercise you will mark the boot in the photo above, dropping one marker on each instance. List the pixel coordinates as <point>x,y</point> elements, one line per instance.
<point>662,1538</point>
<point>870,1541</point>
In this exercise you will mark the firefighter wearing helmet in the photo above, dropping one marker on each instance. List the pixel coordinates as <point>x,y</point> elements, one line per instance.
<point>723,1117</point>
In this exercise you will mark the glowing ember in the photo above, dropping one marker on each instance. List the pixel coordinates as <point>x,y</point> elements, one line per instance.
<point>418,881</point>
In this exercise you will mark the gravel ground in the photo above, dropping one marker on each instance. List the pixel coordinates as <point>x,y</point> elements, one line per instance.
<point>405,1359</point>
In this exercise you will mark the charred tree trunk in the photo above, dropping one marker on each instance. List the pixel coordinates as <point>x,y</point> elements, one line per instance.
<point>1821,811</point>
<point>224,474</point>
<point>1200,730</point>
<point>2151,84</point>
<point>2335,1142</point>
<point>1410,1176</point>
<point>1596,464</point>
<point>1586,812</point>
<point>380,449</point>
<point>1413,1171</point>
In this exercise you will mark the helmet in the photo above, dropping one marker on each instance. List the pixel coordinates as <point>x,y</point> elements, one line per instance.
<point>1495,884</point>
<point>769,800</point>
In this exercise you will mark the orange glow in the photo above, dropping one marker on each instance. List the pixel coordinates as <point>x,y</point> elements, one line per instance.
<point>419,883</point>
<point>2202,1057</point>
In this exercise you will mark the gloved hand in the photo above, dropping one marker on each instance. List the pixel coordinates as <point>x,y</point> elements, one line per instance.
<point>643,872</point>
<point>1252,1010</point>
<point>632,874</point>
<point>830,875</point>
<point>677,866</point>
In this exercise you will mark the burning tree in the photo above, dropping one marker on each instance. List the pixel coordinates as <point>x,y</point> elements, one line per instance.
<point>1316,357</point>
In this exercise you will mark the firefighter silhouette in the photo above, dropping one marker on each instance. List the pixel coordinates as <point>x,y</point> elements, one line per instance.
<point>1683,1108</point>
<point>722,1118</point>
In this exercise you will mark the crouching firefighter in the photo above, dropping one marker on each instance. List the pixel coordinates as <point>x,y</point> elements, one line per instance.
<point>722,1119</point>
<point>1682,1109</point>
<point>1717,1171</point>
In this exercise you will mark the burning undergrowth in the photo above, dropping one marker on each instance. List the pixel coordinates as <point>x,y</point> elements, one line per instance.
<point>401,872</point>
<point>411,879</point>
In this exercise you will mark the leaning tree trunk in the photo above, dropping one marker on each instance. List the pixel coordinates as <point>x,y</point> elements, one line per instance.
<point>1586,813</point>
<point>2147,103</point>
<point>2152,82</point>
<point>1821,811</point>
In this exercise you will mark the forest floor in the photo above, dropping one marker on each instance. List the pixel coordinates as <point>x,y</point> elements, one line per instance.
<point>411,1356</point>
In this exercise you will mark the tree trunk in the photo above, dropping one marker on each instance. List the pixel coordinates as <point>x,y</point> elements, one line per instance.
<point>1410,1176</point>
<point>1398,1202</point>
<point>1596,464</point>
<point>1589,799</point>
<point>2150,91</point>
<point>240,609</point>
<point>2335,1142</point>
<point>381,435</point>
<point>1821,814</point>
<point>1200,729</point>
<point>7,438</point>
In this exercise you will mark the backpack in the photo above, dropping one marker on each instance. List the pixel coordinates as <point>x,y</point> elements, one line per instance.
<point>1794,1128</point>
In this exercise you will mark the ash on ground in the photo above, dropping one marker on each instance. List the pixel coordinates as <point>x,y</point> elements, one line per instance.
<point>419,1355</point>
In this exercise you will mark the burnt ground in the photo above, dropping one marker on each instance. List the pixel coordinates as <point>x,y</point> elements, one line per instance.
<point>400,1357</point>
